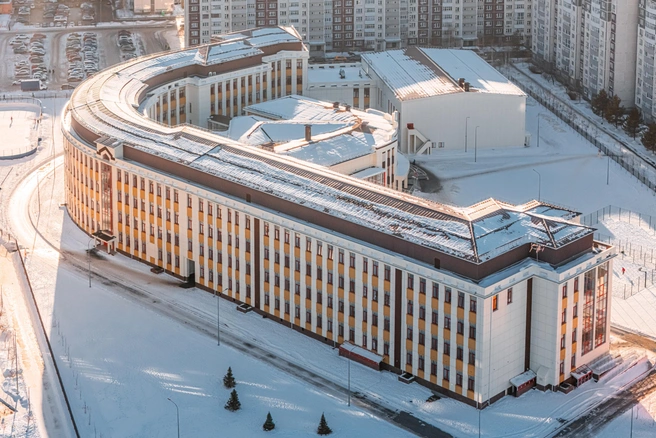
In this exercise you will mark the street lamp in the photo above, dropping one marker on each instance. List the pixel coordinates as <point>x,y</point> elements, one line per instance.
<point>539,183</point>
<point>349,372</point>
<point>539,114</point>
<point>476,142</point>
<point>608,167</point>
<point>89,258</point>
<point>177,414</point>
<point>466,127</point>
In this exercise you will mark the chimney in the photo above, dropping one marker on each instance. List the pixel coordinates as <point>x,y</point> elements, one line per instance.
<point>466,86</point>
<point>461,82</point>
<point>308,133</point>
<point>336,105</point>
<point>347,108</point>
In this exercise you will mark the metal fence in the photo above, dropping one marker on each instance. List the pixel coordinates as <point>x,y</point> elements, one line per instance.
<point>632,285</point>
<point>627,159</point>
<point>644,221</point>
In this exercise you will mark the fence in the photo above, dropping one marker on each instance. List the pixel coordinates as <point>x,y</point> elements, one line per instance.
<point>43,328</point>
<point>629,161</point>
<point>644,221</point>
<point>632,285</point>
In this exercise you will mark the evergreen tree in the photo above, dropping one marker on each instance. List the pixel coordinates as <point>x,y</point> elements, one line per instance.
<point>633,122</point>
<point>233,402</point>
<point>599,103</point>
<point>229,379</point>
<point>614,111</point>
<point>269,424</point>
<point>323,428</point>
<point>649,137</point>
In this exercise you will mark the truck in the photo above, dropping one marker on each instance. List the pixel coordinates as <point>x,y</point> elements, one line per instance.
<point>30,85</point>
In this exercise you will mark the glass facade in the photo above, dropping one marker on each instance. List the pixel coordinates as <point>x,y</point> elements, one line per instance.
<point>595,308</point>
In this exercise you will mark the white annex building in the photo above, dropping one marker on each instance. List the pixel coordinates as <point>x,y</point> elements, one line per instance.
<point>443,97</point>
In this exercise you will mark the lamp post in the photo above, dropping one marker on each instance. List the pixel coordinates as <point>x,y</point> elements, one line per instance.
<point>608,167</point>
<point>539,183</point>
<point>466,128</point>
<point>89,259</point>
<point>177,414</point>
<point>539,114</point>
<point>476,142</point>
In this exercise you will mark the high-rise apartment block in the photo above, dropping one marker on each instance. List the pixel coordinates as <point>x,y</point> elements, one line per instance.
<point>590,44</point>
<point>356,25</point>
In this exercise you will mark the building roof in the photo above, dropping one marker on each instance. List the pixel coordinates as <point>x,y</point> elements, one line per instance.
<point>337,134</point>
<point>331,74</point>
<point>416,73</point>
<point>107,105</point>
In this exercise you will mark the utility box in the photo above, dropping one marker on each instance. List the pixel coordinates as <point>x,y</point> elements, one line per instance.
<point>30,85</point>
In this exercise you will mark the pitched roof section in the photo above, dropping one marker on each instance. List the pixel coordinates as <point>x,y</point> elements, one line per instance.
<point>416,73</point>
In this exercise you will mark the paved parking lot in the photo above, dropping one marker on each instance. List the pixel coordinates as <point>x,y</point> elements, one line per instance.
<point>55,51</point>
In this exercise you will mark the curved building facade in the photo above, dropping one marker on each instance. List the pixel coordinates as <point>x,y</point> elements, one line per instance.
<point>473,302</point>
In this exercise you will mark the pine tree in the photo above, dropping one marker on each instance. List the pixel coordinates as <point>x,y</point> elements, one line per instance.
<point>323,428</point>
<point>233,402</point>
<point>599,103</point>
<point>229,380</point>
<point>269,424</point>
<point>649,137</point>
<point>614,110</point>
<point>633,122</point>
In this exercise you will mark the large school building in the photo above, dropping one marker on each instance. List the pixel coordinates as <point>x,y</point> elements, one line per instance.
<point>475,302</point>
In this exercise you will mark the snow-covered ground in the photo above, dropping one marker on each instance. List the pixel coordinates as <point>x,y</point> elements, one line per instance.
<point>123,353</point>
<point>565,170</point>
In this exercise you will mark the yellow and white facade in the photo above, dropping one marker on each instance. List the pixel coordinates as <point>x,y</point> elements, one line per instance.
<point>454,296</point>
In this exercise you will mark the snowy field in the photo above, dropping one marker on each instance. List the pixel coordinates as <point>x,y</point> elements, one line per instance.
<point>18,127</point>
<point>565,170</point>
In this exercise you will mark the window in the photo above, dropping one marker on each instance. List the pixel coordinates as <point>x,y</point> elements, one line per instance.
<point>436,291</point>
<point>472,358</point>
<point>445,374</point>
<point>565,291</point>
<point>573,361</point>
<point>433,369</point>
<point>472,305</point>
<point>562,367</point>
<point>374,319</point>
<point>564,316</point>
<point>472,331</point>
<point>460,327</point>
<point>351,260</point>
<point>422,286</point>
<point>447,295</point>
<point>461,300</point>
<point>576,284</point>
<point>447,322</point>
<point>422,312</point>
<point>388,273</point>
<point>408,358</point>
<point>574,336</point>
<point>458,379</point>
<point>375,269</point>
<point>562,342</point>
<point>411,281</point>
<point>495,303</point>
<point>510,295</point>
<point>459,352</point>
<point>470,384</point>
<point>447,348</point>
<point>434,317</point>
<point>409,334</point>
<point>575,311</point>
<point>410,307</point>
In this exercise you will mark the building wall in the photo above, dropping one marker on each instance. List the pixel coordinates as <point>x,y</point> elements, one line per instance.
<point>443,118</point>
<point>356,25</point>
<point>645,59</point>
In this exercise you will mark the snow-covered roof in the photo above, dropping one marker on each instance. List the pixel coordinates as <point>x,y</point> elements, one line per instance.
<point>107,105</point>
<point>319,74</point>
<point>468,65</point>
<point>416,73</point>
<point>368,172</point>
<point>525,377</point>
<point>335,150</point>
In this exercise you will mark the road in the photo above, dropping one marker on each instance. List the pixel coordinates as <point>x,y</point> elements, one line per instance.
<point>589,424</point>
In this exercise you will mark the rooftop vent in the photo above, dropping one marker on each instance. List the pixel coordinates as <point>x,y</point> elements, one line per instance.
<point>308,132</point>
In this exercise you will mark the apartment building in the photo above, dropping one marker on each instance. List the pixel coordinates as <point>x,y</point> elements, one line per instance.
<point>645,66</point>
<point>590,44</point>
<point>475,302</point>
<point>364,25</point>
